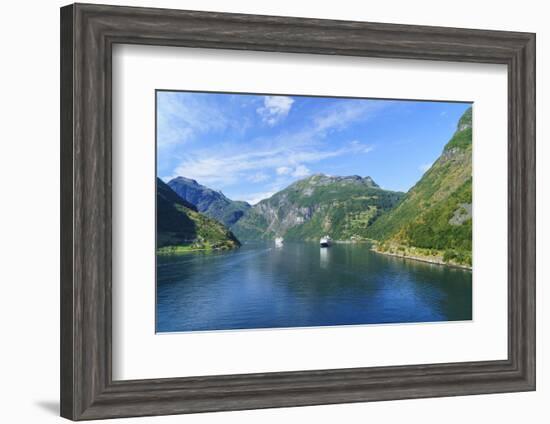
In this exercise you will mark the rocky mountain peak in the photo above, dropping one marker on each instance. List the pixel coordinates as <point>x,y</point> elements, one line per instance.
<point>183,180</point>
<point>462,138</point>
<point>465,121</point>
<point>324,179</point>
<point>210,202</point>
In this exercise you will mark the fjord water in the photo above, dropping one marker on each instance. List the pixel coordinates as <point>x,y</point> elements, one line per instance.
<point>261,285</point>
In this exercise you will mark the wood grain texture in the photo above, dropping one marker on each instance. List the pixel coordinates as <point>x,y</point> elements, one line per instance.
<point>66,214</point>
<point>88,33</point>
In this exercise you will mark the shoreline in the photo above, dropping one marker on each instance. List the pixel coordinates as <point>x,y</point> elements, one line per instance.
<point>430,260</point>
<point>423,259</point>
<point>180,251</point>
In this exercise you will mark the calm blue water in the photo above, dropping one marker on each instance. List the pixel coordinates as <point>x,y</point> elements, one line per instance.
<point>300,285</point>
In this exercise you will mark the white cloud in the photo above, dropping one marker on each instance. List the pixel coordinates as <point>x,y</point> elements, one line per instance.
<point>181,116</point>
<point>275,108</point>
<point>254,198</point>
<point>283,170</point>
<point>286,155</point>
<point>425,166</point>
<point>258,177</point>
<point>343,114</point>
<point>301,171</point>
<point>275,186</point>
<point>226,168</point>
<point>361,148</point>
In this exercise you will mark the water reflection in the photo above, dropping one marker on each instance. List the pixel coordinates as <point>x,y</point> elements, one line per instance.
<point>324,256</point>
<point>299,284</point>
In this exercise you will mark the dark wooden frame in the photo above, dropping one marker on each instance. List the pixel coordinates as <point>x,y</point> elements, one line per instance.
<point>88,33</point>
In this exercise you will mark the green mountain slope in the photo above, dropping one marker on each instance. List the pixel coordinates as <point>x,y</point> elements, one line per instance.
<point>209,202</point>
<point>436,213</point>
<point>180,227</point>
<point>342,207</point>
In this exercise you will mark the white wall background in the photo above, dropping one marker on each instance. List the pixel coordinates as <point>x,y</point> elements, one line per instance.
<point>29,224</point>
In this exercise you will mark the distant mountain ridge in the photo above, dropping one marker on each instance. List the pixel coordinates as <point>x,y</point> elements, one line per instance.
<point>210,202</point>
<point>320,204</point>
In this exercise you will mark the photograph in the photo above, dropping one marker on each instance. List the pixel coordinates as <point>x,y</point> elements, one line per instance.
<point>282,211</point>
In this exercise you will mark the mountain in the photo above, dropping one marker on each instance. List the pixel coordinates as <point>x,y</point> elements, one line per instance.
<point>210,202</point>
<point>342,207</point>
<point>180,227</point>
<point>436,214</point>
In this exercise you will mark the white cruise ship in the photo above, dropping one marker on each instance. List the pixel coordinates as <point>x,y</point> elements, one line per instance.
<point>325,241</point>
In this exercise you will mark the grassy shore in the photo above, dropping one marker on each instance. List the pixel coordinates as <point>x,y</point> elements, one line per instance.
<point>195,247</point>
<point>431,256</point>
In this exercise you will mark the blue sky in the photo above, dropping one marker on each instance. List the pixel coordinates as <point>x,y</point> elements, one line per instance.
<point>251,146</point>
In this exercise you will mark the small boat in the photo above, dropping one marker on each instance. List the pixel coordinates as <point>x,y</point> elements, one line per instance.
<point>278,241</point>
<point>325,241</point>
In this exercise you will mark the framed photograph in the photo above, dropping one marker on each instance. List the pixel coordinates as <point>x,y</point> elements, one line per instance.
<point>268,211</point>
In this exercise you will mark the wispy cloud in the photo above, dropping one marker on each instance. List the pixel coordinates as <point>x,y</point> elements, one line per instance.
<point>180,118</point>
<point>222,169</point>
<point>301,171</point>
<point>344,113</point>
<point>185,117</point>
<point>283,170</point>
<point>361,147</point>
<point>272,187</point>
<point>254,198</point>
<point>258,177</point>
<point>275,108</point>
<point>285,153</point>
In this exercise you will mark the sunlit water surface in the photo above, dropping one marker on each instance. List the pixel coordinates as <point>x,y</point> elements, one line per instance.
<point>261,285</point>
